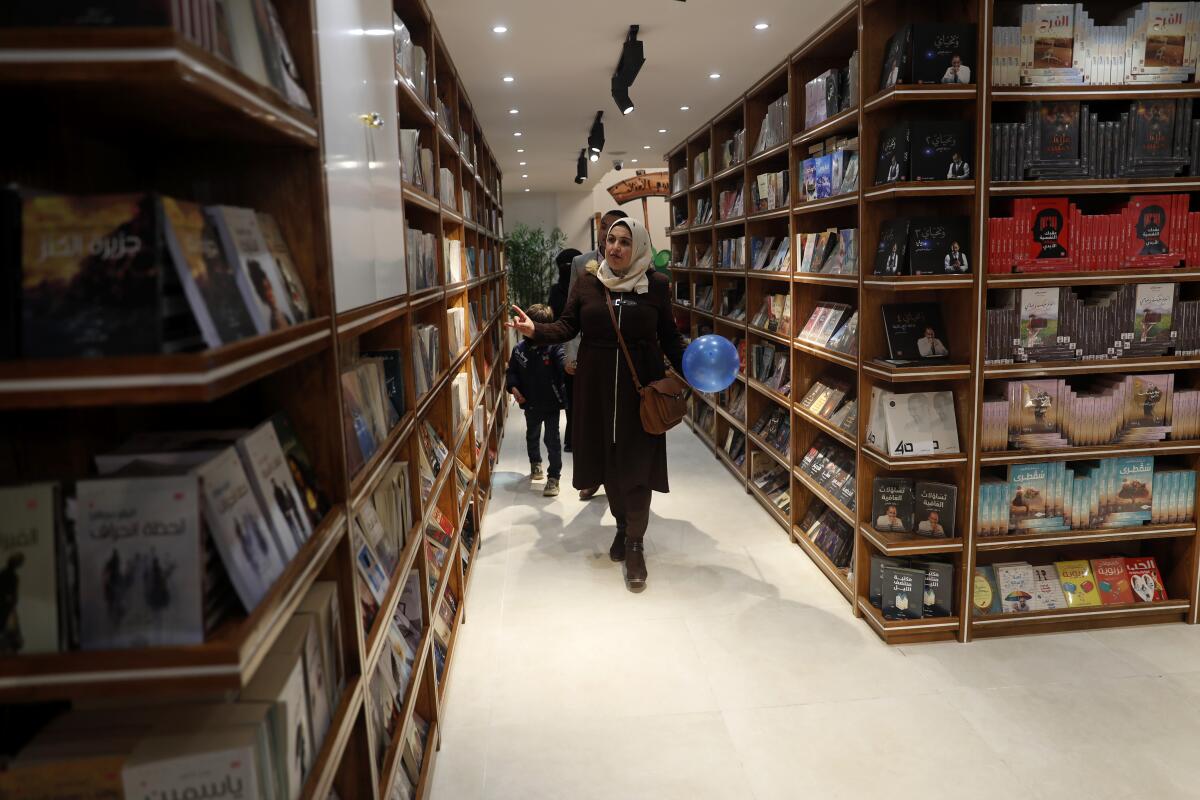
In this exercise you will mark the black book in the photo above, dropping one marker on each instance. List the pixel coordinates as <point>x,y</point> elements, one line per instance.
<point>832,90</point>
<point>915,333</point>
<point>1057,133</point>
<point>938,246</point>
<point>937,599</point>
<point>935,506</point>
<point>943,52</point>
<point>892,164</point>
<point>941,150</point>
<point>892,505</point>
<point>1154,133</point>
<point>897,61</point>
<point>903,592</point>
<point>891,255</point>
<point>10,276</point>
<point>875,591</point>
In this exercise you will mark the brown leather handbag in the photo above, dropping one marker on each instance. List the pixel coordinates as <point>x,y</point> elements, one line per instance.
<point>664,401</point>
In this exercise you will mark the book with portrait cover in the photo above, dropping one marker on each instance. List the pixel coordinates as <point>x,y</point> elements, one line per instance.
<point>29,584</point>
<point>934,508</point>
<point>140,557</point>
<point>915,333</point>
<point>938,246</point>
<point>241,533</point>
<point>921,423</point>
<point>941,150</point>
<point>258,275</point>
<point>1145,579</point>
<point>903,592</point>
<point>892,164</point>
<point>1151,229</point>
<point>891,255</point>
<point>1047,220</point>
<point>274,488</point>
<point>943,52</point>
<point>897,60</point>
<point>892,504</point>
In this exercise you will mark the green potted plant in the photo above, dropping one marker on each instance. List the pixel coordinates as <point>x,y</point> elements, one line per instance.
<point>530,255</point>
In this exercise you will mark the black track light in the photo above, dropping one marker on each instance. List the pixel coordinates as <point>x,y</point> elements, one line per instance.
<point>620,93</point>
<point>581,167</point>
<point>632,58</point>
<point>596,137</point>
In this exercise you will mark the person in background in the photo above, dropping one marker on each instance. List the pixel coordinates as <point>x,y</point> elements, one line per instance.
<point>535,379</point>
<point>612,448</point>
<point>557,302</point>
<point>579,268</point>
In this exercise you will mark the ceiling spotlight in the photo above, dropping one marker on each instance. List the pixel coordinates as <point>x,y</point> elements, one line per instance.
<point>594,157</point>
<point>596,137</point>
<point>520,149</point>
<point>500,29</point>
<point>516,133</point>
<point>633,160</point>
<point>521,164</point>
<point>632,58</point>
<point>527,188</point>
<point>524,176</point>
<point>762,26</point>
<point>645,147</point>
<point>513,111</point>
<point>620,95</point>
<point>581,167</point>
<point>662,130</point>
<point>684,108</point>
<point>714,75</point>
<point>509,79</point>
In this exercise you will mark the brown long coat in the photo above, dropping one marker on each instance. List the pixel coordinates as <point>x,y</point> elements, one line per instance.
<point>628,456</point>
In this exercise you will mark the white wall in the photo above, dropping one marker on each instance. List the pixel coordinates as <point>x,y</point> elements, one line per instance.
<point>572,211</point>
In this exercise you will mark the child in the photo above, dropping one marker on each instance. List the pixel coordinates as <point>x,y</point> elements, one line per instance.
<point>535,378</point>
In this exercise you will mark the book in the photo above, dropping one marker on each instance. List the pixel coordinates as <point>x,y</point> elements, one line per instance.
<point>140,561</point>
<point>315,502</point>
<point>29,577</point>
<point>208,762</point>
<point>934,508</point>
<point>1078,583</point>
<point>279,681</point>
<point>276,492</point>
<point>937,246</point>
<point>940,150</point>
<point>300,637</point>
<point>1015,584</point>
<point>943,52</point>
<point>920,423</point>
<point>258,274</point>
<point>891,255</point>
<point>1112,581</point>
<point>1047,591</point>
<point>892,504</point>
<point>322,604</point>
<point>897,61</point>
<point>985,597</point>
<point>915,333</point>
<point>296,297</point>
<point>875,582</point>
<point>937,598</point>
<point>892,163</point>
<point>903,591</point>
<point>1145,579</point>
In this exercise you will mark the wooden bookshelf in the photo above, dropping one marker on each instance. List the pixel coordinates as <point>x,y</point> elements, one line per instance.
<point>865,26</point>
<point>92,100</point>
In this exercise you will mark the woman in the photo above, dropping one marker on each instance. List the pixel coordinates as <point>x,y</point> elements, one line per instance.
<point>609,443</point>
<point>557,302</point>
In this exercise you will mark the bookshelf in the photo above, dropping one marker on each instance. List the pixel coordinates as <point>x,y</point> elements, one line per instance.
<point>721,423</point>
<point>93,100</point>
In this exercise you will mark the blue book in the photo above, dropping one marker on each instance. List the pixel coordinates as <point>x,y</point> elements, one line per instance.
<point>824,176</point>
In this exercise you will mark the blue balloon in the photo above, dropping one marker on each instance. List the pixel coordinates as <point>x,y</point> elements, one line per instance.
<point>710,363</point>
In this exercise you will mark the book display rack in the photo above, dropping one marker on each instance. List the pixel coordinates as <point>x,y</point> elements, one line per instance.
<point>975,354</point>
<point>279,519</point>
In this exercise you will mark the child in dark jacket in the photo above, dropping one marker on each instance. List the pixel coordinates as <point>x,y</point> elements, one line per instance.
<point>535,378</point>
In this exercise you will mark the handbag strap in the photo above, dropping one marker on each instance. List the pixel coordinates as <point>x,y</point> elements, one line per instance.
<point>621,339</point>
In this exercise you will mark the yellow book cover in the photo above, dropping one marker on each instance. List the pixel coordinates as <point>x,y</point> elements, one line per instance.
<point>1078,583</point>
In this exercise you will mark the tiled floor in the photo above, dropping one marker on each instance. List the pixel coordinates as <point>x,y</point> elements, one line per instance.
<point>741,674</point>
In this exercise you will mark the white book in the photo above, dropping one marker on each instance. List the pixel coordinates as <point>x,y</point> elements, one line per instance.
<point>240,531</point>
<point>877,432</point>
<point>374,577</point>
<point>29,524</point>
<point>275,488</point>
<point>921,423</point>
<point>322,604</point>
<point>243,33</point>
<point>1015,583</point>
<point>141,562</point>
<point>258,274</point>
<point>1047,591</point>
<point>383,543</point>
<point>280,681</point>
<point>214,763</point>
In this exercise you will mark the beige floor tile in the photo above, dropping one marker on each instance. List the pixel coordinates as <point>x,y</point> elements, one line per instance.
<point>1154,648</point>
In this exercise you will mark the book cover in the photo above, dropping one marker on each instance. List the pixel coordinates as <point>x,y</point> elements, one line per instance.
<point>943,52</point>
<point>239,529</point>
<point>1145,579</point>
<point>1134,491</point>
<point>274,488</point>
<point>985,597</point>
<point>1047,591</point>
<point>915,332</point>
<point>921,423</point>
<point>29,529</point>
<point>297,299</point>
<point>892,504</point>
<point>279,681</point>
<point>937,245</point>
<point>1058,132</point>
<point>140,562</point>
<point>897,61</point>
<point>891,255</point>
<point>935,505</point>
<point>1153,312</point>
<point>1078,583</point>
<point>938,595</point>
<point>1028,487</point>
<point>941,150</point>
<point>315,503</point>
<point>1039,316</point>
<point>212,763</point>
<point>1014,581</point>
<point>1112,580</point>
<point>1053,36</point>
<point>892,164</point>
<point>258,275</point>
<point>903,592</point>
<point>321,603</point>
<point>1047,221</point>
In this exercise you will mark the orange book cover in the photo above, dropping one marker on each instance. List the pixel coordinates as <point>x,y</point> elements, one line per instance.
<point>1112,580</point>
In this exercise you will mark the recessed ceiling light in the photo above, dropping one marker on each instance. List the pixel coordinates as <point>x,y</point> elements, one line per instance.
<point>634,160</point>
<point>662,130</point>
<point>499,29</point>
<point>684,108</point>
<point>527,188</point>
<point>714,75</point>
<point>514,111</point>
<point>520,149</point>
<point>524,176</point>
<point>521,164</point>
<point>645,147</point>
<point>762,26</point>
<point>509,79</point>
<point>516,133</point>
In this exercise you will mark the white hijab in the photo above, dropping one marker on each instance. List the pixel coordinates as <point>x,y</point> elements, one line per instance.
<point>636,278</point>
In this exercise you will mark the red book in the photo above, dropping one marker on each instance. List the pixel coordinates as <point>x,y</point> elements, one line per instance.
<point>1150,236</point>
<point>1145,580</point>
<point>1112,580</point>
<point>1045,234</point>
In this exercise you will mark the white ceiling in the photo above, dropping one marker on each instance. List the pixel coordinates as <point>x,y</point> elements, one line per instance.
<point>562,54</point>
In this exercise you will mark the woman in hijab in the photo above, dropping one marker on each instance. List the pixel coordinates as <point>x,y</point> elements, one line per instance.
<point>610,445</point>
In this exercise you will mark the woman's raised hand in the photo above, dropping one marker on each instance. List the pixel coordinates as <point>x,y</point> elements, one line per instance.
<point>522,323</point>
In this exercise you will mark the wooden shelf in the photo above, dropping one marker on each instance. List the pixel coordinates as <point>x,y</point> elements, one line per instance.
<point>769,274</point>
<point>840,359</point>
<point>1073,618</point>
<point>908,631</point>
<point>918,93</point>
<point>333,748</point>
<point>1095,186</point>
<point>227,661</point>
<point>419,197</point>
<point>1089,536</point>
<point>1088,367</point>
<point>917,373</point>
<point>914,462</point>
<point>780,458</point>
<point>358,321</point>
<point>842,436</point>
<point>766,155</point>
<point>821,279</point>
<point>917,283</point>
<point>1163,448</point>
<point>1019,94</point>
<point>1019,279</point>
<point>127,76</point>
<point>775,213</point>
<point>842,122</point>
<point>157,379</point>
<point>822,494</point>
<point>891,544</point>
<point>838,577</point>
<point>769,506</point>
<point>826,203</point>
<point>896,191</point>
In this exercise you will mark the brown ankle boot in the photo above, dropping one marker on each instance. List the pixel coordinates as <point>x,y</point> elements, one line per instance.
<point>635,566</point>
<point>617,550</point>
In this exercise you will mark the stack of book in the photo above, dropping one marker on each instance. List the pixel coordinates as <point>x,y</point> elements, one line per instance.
<point>831,465</point>
<point>700,167</point>
<point>923,246</point>
<point>904,588</point>
<point>769,366</point>
<point>774,129</point>
<point>732,151</point>
<point>456,326</point>
<point>832,535</point>
<point>831,169</point>
<point>416,162</point>
<point>1124,492</point>
<point>733,303</point>
<point>705,261</point>
<point>735,446</point>
<point>1059,43</point>
<point>774,427</point>
<point>732,253</point>
<point>773,480</point>
<point>679,180</point>
<point>828,252</point>
<point>921,508</point>
<point>1105,409</point>
<point>775,314</point>
<point>824,322</point>
<point>929,52</point>
<point>447,189</point>
<point>452,257</point>
<point>845,338</point>
<point>1066,141</point>
<point>769,191</point>
<point>704,297</point>
<point>733,399</point>
<point>1014,587</point>
<point>730,203</point>
<point>832,399</point>
<point>771,254</point>
<point>830,93</point>
<point>421,251</point>
<point>411,62</point>
<point>914,423</point>
<point>369,413</point>
<point>704,212</point>
<point>427,347</point>
<point>706,419</point>
<point>925,150</point>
